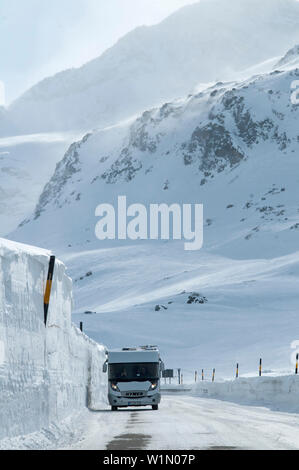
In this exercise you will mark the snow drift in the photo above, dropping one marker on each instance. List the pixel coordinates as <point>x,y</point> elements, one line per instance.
<point>279,393</point>
<point>46,374</point>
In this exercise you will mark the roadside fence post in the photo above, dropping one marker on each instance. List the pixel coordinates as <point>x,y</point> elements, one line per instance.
<point>47,293</point>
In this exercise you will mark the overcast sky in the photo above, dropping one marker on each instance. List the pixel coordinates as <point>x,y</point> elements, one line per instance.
<point>41,37</point>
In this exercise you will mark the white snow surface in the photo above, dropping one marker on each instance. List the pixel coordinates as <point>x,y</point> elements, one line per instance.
<point>276,393</point>
<point>48,376</point>
<point>189,422</point>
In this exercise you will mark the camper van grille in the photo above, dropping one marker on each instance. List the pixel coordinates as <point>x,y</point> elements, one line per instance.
<point>133,394</point>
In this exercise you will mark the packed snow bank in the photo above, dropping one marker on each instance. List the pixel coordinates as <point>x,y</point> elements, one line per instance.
<point>47,374</point>
<point>278,393</point>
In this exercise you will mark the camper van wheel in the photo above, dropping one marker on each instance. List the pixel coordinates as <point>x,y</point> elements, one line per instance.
<point>113,408</point>
<point>155,407</point>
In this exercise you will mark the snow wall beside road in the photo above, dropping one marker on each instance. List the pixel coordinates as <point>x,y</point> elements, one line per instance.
<point>46,373</point>
<point>277,393</point>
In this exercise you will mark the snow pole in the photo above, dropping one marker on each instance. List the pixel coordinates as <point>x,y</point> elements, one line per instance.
<point>81,326</point>
<point>297,358</point>
<point>237,371</point>
<point>213,375</point>
<point>202,374</point>
<point>48,288</point>
<point>260,368</point>
<point>179,376</point>
<point>195,376</point>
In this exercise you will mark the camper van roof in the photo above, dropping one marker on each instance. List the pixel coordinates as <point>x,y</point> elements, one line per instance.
<point>125,355</point>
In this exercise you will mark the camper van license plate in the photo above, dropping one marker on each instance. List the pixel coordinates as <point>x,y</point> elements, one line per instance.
<point>134,403</point>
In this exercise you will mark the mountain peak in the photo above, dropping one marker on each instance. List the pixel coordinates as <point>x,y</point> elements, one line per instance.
<point>202,42</point>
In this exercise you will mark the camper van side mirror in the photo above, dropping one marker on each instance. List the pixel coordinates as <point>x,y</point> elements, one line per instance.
<point>105,367</point>
<point>162,366</point>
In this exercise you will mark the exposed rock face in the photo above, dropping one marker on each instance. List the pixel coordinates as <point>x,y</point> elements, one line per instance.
<point>213,147</point>
<point>65,170</point>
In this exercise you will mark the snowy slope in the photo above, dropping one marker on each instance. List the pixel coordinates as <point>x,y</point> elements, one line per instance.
<point>207,41</point>
<point>26,164</point>
<point>47,375</point>
<point>289,60</point>
<point>233,147</point>
<point>251,309</point>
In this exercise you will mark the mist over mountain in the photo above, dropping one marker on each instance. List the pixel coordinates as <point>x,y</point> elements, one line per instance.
<point>209,41</point>
<point>290,59</point>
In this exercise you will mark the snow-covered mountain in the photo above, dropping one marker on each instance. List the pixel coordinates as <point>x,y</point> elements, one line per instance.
<point>207,41</point>
<point>238,140</point>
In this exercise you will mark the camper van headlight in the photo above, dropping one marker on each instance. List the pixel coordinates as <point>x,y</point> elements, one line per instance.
<point>153,386</point>
<point>114,387</point>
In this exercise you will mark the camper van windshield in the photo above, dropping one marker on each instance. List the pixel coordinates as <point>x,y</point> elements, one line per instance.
<point>134,371</point>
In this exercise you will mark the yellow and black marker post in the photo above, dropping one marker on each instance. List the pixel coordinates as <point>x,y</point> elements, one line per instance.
<point>297,358</point>
<point>260,368</point>
<point>179,376</point>
<point>237,371</point>
<point>48,287</point>
<point>202,374</point>
<point>213,376</point>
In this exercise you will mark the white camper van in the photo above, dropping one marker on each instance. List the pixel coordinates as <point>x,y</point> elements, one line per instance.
<point>134,377</point>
